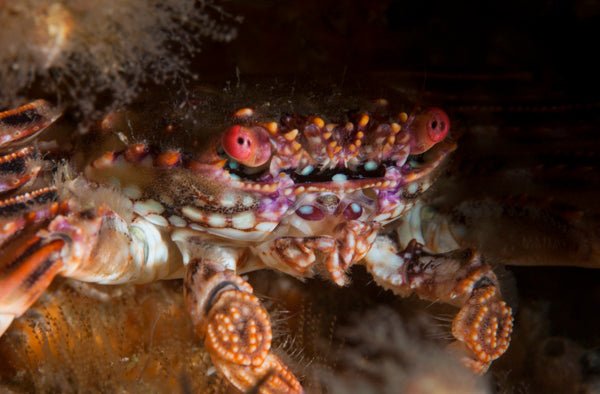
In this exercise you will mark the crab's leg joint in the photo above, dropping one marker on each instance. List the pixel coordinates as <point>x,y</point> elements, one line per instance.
<point>483,325</point>
<point>234,325</point>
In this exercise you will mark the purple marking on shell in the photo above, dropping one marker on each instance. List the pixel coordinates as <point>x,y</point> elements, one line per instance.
<point>353,211</point>
<point>309,212</point>
<point>388,199</point>
<point>272,209</point>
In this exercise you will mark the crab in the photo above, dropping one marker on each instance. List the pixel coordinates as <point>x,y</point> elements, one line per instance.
<point>291,193</point>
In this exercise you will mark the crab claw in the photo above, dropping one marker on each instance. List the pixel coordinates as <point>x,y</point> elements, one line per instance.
<point>429,128</point>
<point>483,325</point>
<point>235,326</point>
<point>483,328</point>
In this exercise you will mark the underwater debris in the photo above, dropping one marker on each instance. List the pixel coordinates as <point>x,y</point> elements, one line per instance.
<point>383,354</point>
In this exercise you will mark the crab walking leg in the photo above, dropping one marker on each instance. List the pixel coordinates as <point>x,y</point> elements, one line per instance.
<point>483,325</point>
<point>234,325</point>
<point>25,272</point>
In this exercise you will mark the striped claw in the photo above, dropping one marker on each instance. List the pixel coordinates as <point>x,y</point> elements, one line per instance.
<point>27,267</point>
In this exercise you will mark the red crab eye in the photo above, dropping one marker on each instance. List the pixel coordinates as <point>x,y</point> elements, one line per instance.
<point>437,124</point>
<point>431,127</point>
<point>248,146</point>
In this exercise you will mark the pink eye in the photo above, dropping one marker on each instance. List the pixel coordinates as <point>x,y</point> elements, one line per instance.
<point>430,127</point>
<point>248,146</point>
<point>437,124</point>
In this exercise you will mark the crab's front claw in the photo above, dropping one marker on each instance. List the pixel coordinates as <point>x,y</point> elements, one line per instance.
<point>484,323</point>
<point>236,330</point>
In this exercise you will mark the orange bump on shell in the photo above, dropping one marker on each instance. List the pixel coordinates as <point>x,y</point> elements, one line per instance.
<point>291,135</point>
<point>169,158</point>
<point>364,120</point>
<point>244,113</point>
<point>318,122</point>
<point>106,160</point>
<point>271,127</point>
<point>135,152</point>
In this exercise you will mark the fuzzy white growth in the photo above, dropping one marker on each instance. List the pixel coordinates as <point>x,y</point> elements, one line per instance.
<point>85,195</point>
<point>384,355</point>
<point>90,48</point>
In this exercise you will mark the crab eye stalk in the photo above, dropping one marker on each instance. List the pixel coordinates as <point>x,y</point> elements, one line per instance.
<point>430,127</point>
<point>249,146</point>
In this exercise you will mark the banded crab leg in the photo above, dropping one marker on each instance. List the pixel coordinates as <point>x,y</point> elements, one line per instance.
<point>483,324</point>
<point>53,230</point>
<point>234,325</point>
<point>34,256</point>
<point>27,260</point>
<point>18,166</point>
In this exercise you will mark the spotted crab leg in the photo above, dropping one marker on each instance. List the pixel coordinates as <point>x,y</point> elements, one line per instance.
<point>234,325</point>
<point>484,322</point>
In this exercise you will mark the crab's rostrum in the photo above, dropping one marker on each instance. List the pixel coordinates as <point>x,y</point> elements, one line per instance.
<point>296,194</point>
